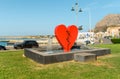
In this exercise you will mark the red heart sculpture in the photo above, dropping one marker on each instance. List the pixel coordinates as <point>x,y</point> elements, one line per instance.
<point>66,36</point>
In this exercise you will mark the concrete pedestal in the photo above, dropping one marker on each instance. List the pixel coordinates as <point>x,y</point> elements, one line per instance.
<point>85,57</point>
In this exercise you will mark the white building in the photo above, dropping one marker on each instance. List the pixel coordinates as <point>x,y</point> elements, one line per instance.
<point>85,36</point>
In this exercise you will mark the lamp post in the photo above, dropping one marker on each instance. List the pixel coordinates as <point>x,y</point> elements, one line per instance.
<point>77,10</point>
<point>89,19</point>
<point>90,28</point>
<point>89,16</point>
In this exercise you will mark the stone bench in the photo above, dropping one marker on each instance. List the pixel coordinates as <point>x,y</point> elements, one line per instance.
<point>85,57</point>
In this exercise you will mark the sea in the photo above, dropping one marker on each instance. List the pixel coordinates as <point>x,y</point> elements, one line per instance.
<point>4,41</point>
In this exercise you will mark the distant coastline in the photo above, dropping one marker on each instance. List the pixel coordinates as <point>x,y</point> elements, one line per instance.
<point>10,40</point>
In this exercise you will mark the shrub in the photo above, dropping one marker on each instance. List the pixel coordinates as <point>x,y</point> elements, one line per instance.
<point>115,41</point>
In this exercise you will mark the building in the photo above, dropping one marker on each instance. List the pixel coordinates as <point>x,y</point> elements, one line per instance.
<point>85,36</point>
<point>114,31</point>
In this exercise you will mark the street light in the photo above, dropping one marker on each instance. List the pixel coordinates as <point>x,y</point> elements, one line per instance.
<point>90,29</point>
<point>77,10</point>
<point>90,19</point>
<point>88,11</point>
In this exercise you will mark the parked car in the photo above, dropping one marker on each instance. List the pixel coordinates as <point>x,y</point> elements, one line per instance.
<point>89,42</point>
<point>26,44</point>
<point>2,47</point>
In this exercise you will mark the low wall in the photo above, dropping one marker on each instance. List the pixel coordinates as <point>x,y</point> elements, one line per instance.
<point>47,58</point>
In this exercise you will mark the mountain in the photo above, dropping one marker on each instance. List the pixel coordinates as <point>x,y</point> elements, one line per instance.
<point>109,20</point>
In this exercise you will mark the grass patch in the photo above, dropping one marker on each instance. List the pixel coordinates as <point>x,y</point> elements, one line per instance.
<point>14,66</point>
<point>115,48</point>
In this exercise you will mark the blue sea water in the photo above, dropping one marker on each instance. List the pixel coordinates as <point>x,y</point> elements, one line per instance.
<point>3,43</point>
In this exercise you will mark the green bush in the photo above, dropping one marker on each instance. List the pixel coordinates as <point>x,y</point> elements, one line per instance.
<point>115,41</point>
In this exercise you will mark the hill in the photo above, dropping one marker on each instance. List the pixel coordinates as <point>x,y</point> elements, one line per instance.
<point>109,20</point>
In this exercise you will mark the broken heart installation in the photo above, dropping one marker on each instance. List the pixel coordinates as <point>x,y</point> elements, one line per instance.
<point>66,36</point>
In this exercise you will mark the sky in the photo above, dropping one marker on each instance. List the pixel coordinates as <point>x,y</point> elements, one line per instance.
<point>40,17</point>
